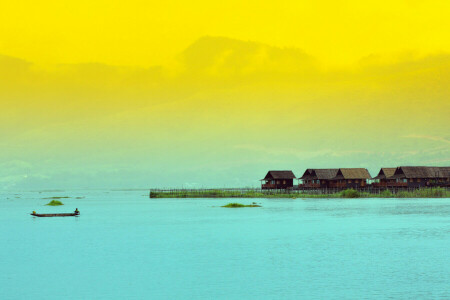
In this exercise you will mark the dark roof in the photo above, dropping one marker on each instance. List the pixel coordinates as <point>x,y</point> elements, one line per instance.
<point>352,173</point>
<point>280,175</point>
<point>422,172</point>
<point>319,174</point>
<point>307,174</point>
<point>385,173</point>
<point>326,173</point>
<point>440,172</point>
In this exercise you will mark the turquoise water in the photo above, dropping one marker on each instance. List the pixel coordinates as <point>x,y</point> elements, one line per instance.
<point>127,246</point>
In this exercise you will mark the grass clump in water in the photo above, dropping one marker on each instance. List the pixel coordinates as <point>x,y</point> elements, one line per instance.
<point>425,193</point>
<point>235,205</point>
<point>55,203</point>
<point>350,193</point>
<point>386,194</point>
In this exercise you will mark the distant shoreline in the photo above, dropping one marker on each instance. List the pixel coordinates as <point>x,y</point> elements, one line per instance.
<point>294,194</point>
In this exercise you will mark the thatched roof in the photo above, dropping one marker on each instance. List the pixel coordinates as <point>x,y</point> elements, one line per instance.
<point>307,174</point>
<point>422,172</point>
<point>385,173</point>
<point>312,174</point>
<point>442,172</point>
<point>352,173</point>
<point>279,175</point>
<point>326,173</point>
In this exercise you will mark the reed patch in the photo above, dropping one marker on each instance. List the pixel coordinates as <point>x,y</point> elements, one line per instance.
<point>55,203</point>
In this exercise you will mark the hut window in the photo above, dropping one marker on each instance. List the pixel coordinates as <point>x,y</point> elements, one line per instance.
<point>284,181</point>
<point>350,181</point>
<point>418,179</point>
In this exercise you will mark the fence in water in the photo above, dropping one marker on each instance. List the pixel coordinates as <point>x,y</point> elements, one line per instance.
<point>235,192</point>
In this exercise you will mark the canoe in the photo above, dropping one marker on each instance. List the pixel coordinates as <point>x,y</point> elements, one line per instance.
<point>56,215</point>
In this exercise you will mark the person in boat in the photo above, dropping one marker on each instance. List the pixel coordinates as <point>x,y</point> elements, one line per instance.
<point>77,212</point>
<point>34,212</point>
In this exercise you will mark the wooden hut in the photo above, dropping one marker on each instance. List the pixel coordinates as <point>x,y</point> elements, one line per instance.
<point>441,177</point>
<point>421,176</point>
<point>278,180</point>
<point>384,178</point>
<point>317,178</point>
<point>350,178</point>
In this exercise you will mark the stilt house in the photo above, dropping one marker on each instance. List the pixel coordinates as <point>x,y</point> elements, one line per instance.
<point>317,178</point>
<point>384,178</point>
<point>278,180</point>
<point>350,178</point>
<point>416,177</point>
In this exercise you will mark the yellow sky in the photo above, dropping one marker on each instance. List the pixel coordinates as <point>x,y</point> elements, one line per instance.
<point>144,33</point>
<point>135,93</point>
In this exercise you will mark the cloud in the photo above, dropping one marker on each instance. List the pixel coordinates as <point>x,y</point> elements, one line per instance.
<point>14,168</point>
<point>108,124</point>
<point>13,64</point>
<point>222,60</point>
<point>428,137</point>
<point>302,153</point>
<point>13,172</point>
<point>222,57</point>
<point>437,161</point>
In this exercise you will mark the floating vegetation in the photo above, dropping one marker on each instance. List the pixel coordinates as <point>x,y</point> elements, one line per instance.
<point>386,194</point>
<point>55,203</point>
<point>80,197</point>
<point>57,198</point>
<point>234,205</point>
<point>424,193</point>
<point>350,193</point>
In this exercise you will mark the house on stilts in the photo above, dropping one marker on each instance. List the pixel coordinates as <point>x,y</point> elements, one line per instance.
<point>420,176</point>
<point>317,178</point>
<point>384,178</point>
<point>347,178</point>
<point>278,180</point>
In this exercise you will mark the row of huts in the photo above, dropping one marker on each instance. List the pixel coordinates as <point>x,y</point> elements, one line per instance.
<point>343,178</point>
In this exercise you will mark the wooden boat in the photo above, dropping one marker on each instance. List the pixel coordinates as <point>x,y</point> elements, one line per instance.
<point>56,215</point>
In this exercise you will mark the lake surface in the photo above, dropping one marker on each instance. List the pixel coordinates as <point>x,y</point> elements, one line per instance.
<point>127,246</point>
